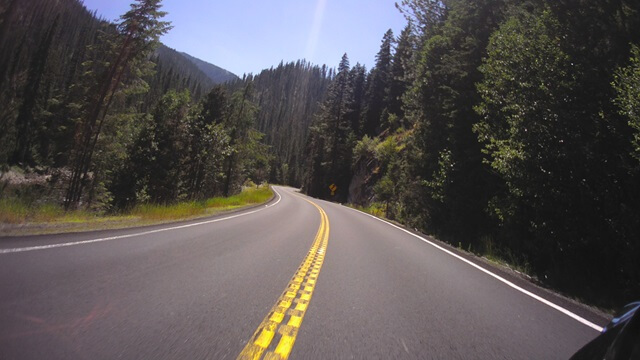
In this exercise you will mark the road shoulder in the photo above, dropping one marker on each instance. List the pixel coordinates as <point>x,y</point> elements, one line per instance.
<point>19,235</point>
<point>590,313</point>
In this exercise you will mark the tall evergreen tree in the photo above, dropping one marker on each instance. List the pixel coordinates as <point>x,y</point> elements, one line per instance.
<point>378,88</point>
<point>136,37</point>
<point>358,80</point>
<point>401,64</point>
<point>170,141</point>
<point>239,122</point>
<point>332,139</point>
<point>424,14</point>
<point>206,142</point>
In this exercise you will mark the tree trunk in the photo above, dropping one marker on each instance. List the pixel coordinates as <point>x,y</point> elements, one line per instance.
<point>82,163</point>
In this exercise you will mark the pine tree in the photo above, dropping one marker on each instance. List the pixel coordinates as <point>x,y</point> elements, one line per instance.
<point>332,139</point>
<point>378,88</point>
<point>424,14</point>
<point>169,147</point>
<point>136,37</point>
<point>241,118</point>
<point>205,139</point>
<point>358,80</point>
<point>400,72</point>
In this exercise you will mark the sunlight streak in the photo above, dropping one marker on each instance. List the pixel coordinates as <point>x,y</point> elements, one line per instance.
<point>314,35</point>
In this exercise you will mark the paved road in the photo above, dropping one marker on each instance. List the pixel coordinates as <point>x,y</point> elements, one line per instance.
<point>282,276</point>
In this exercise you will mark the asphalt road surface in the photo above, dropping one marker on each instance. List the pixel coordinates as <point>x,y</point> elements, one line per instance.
<point>298,278</point>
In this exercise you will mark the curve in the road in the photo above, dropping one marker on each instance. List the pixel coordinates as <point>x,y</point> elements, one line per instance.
<point>299,292</point>
<point>200,293</point>
<point>143,233</point>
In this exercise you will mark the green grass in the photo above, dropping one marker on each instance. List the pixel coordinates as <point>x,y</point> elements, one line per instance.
<point>51,218</point>
<point>168,212</point>
<point>12,211</point>
<point>375,209</point>
<point>16,211</point>
<point>247,197</point>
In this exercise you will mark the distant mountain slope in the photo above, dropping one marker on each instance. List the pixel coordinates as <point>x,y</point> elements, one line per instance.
<point>215,73</point>
<point>172,59</point>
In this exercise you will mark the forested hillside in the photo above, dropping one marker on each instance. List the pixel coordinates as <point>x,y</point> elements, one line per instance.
<point>99,115</point>
<point>172,63</point>
<point>508,128</point>
<point>288,97</point>
<point>217,74</point>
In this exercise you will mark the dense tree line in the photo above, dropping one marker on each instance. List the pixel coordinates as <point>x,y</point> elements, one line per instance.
<point>288,96</point>
<point>502,126</point>
<point>46,48</point>
<point>192,152</point>
<point>359,105</point>
<point>112,117</point>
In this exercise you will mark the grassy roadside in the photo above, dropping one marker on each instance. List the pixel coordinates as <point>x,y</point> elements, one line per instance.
<point>17,218</point>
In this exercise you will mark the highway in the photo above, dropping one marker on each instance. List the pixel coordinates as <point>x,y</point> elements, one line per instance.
<point>299,278</point>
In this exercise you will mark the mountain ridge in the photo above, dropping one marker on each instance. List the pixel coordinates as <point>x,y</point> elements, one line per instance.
<point>217,74</point>
<point>171,58</point>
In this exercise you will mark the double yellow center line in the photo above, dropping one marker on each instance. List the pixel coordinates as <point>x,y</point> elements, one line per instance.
<point>277,333</point>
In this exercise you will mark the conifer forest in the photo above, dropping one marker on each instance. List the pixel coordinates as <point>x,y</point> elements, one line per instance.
<point>502,127</point>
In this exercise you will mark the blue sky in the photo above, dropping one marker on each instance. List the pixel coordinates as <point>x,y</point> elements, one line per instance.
<point>245,36</point>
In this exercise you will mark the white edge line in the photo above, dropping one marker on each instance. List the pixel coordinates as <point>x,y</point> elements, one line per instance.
<point>52,246</point>
<point>498,277</point>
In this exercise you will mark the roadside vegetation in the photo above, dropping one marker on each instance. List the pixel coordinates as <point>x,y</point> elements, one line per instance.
<point>486,248</point>
<point>249,196</point>
<point>18,217</point>
<point>375,209</point>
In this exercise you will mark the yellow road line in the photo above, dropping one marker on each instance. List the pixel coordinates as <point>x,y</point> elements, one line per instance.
<point>277,333</point>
